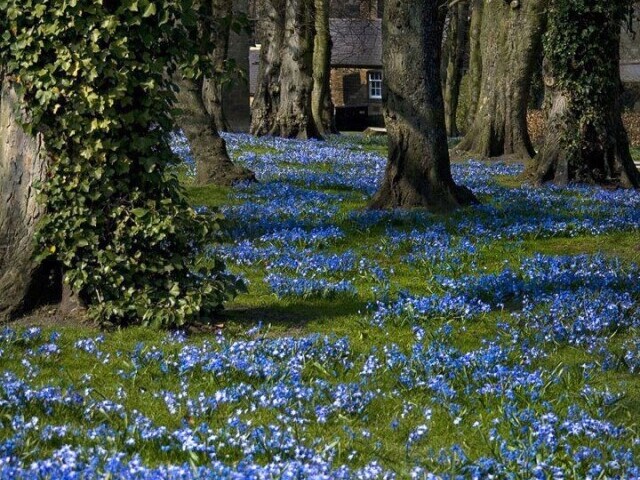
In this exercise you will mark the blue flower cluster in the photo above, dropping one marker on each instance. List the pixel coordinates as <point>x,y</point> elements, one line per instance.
<point>286,286</point>
<point>259,406</point>
<point>298,384</point>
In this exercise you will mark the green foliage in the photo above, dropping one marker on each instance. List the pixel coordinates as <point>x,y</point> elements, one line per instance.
<point>94,76</point>
<point>581,36</point>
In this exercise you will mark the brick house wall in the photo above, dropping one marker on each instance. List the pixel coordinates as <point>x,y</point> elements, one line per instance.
<point>350,88</point>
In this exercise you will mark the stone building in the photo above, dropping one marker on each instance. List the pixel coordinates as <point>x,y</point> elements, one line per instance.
<point>356,72</point>
<point>356,63</point>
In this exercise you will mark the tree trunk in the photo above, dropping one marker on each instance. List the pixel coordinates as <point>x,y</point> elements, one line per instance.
<point>457,46</point>
<point>418,172</point>
<point>226,93</point>
<point>594,151</point>
<point>24,283</point>
<point>266,100</point>
<point>321,103</point>
<point>475,61</point>
<point>213,165</point>
<point>294,118</point>
<point>511,38</point>
<point>213,87</point>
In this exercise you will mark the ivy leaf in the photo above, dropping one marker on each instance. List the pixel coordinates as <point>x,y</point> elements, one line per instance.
<point>150,10</point>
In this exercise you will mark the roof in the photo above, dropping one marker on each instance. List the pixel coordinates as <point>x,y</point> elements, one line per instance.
<point>357,43</point>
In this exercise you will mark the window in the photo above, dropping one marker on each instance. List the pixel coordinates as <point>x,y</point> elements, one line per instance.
<point>375,85</point>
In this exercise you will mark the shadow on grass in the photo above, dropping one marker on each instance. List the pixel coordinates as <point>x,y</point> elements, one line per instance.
<point>293,313</point>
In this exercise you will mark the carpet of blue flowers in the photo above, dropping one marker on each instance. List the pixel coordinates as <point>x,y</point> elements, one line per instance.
<point>370,344</point>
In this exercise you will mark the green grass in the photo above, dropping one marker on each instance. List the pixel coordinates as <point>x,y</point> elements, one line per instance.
<point>346,316</point>
<point>343,316</point>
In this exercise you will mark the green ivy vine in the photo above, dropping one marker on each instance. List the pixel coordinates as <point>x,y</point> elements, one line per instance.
<point>94,77</point>
<point>581,36</point>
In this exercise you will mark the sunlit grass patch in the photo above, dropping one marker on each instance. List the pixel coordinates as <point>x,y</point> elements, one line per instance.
<point>496,341</point>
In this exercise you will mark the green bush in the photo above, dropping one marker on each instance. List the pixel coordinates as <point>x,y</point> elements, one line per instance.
<point>94,76</point>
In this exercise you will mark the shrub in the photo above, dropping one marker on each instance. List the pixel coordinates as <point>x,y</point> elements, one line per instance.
<point>94,76</point>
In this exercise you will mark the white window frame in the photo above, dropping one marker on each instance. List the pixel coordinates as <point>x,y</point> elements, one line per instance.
<point>375,85</point>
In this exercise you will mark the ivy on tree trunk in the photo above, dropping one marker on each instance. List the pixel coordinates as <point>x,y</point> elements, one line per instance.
<point>115,219</point>
<point>585,138</point>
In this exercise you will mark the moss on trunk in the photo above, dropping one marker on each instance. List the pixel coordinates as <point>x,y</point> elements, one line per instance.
<point>585,138</point>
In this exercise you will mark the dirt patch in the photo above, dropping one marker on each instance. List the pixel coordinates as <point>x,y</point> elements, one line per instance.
<point>50,317</point>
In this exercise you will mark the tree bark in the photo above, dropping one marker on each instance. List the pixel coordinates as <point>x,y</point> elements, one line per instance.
<point>418,171</point>
<point>602,155</point>
<point>475,61</point>
<point>457,46</point>
<point>212,92</point>
<point>24,283</point>
<point>213,165</point>
<point>511,37</point>
<point>321,103</point>
<point>266,100</point>
<point>294,118</point>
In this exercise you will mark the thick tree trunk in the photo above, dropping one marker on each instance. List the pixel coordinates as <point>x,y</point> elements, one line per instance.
<point>321,103</point>
<point>294,118</point>
<point>457,46</point>
<point>418,172</point>
<point>24,283</point>
<point>475,61</point>
<point>212,92</point>
<point>213,165</point>
<point>511,38</point>
<point>226,93</point>
<point>602,155</point>
<point>266,100</point>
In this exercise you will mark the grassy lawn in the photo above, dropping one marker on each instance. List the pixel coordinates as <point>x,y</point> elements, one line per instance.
<point>501,340</point>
